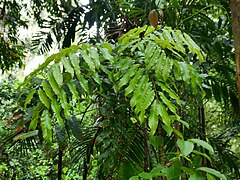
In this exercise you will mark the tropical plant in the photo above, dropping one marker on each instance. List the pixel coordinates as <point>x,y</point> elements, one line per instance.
<point>129,96</point>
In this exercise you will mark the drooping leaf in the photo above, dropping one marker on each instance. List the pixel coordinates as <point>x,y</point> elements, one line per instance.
<point>46,125</point>
<point>95,57</point>
<point>171,93</point>
<point>134,81</point>
<point>47,89</point>
<point>53,83</point>
<point>57,110</point>
<point>67,65</point>
<point>213,172</point>
<point>64,103</point>
<point>57,74</point>
<point>126,77</point>
<point>203,144</point>
<point>29,98</point>
<point>43,97</point>
<point>73,89</point>
<point>167,103</point>
<point>184,70</point>
<point>154,116</point>
<point>35,116</point>
<point>88,60</point>
<point>165,116</point>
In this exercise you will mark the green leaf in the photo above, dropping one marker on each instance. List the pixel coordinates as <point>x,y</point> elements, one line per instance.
<point>126,77</point>
<point>184,70</point>
<point>33,123</point>
<point>73,89</point>
<point>165,116</point>
<point>46,125</point>
<point>133,83</point>
<point>53,83</point>
<point>188,170</point>
<point>145,175</point>
<point>107,46</point>
<point>203,144</point>
<point>95,57</point>
<point>35,115</point>
<point>29,98</point>
<point>88,60</point>
<point>57,110</point>
<point>171,93</point>
<point>167,102</point>
<point>25,135</point>
<point>74,125</point>
<point>138,91</point>
<point>64,103</point>
<point>213,172</point>
<point>186,147</point>
<point>43,98</point>
<point>106,54</point>
<point>134,178</point>
<point>157,169</point>
<point>67,65</point>
<point>75,64</point>
<point>155,141</point>
<point>203,154</point>
<point>61,136</point>
<point>154,116</point>
<point>47,89</point>
<point>57,74</point>
<point>174,171</point>
<point>197,177</point>
<point>84,83</point>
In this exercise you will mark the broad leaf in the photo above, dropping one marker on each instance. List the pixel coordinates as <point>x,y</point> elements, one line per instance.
<point>67,65</point>
<point>174,171</point>
<point>186,147</point>
<point>29,98</point>
<point>47,89</point>
<point>46,126</point>
<point>57,110</point>
<point>154,116</point>
<point>213,172</point>
<point>53,83</point>
<point>43,98</point>
<point>57,74</point>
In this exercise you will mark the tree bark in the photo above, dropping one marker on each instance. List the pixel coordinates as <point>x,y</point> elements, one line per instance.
<point>60,154</point>
<point>235,13</point>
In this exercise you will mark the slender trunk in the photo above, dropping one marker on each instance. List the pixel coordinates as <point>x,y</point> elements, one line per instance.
<point>235,13</point>
<point>202,130</point>
<point>60,154</point>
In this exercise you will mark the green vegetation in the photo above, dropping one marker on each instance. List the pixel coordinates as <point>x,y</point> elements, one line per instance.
<point>134,103</point>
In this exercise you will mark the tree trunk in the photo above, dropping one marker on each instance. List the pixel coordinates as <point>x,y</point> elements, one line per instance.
<point>60,154</point>
<point>235,13</point>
